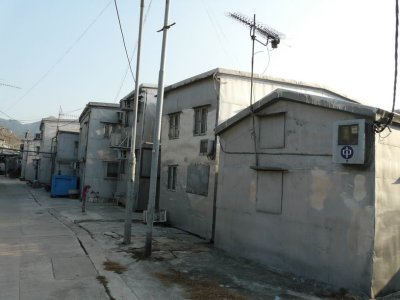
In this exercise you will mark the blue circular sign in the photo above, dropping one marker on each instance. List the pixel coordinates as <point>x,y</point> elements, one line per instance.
<point>347,152</point>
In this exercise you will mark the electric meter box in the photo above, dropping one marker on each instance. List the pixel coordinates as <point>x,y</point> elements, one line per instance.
<point>349,142</point>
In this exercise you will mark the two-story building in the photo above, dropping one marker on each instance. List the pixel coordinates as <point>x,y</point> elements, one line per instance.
<point>189,151</point>
<point>99,166</point>
<point>66,153</point>
<point>30,158</point>
<point>48,132</point>
<point>120,141</point>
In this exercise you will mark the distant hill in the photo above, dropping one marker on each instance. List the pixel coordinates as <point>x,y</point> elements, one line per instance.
<point>18,128</point>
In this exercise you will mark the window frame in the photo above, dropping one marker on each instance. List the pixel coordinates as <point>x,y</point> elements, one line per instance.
<point>174,124</point>
<point>200,120</point>
<point>107,173</point>
<point>171,178</point>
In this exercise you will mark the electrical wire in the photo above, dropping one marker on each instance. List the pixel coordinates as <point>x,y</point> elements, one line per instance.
<point>380,126</point>
<point>123,40</point>
<point>220,34</point>
<point>132,54</point>
<point>60,59</point>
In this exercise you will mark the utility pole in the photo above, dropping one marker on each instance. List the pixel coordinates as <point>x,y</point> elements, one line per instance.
<point>130,194</point>
<point>156,137</point>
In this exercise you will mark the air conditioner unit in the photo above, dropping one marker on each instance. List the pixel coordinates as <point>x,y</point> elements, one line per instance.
<point>207,147</point>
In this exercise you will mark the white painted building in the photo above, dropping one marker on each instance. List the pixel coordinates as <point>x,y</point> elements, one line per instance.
<point>189,154</point>
<point>30,158</point>
<point>120,142</point>
<point>98,164</point>
<point>66,153</point>
<point>48,131</point>
<point>314,191</point>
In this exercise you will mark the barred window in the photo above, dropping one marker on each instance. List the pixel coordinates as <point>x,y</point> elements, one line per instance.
<point>174,126</point>
<point>200,120</point>
<point>171,185</point>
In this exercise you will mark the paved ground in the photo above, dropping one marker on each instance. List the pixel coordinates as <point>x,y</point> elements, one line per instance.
<point>49,249</point>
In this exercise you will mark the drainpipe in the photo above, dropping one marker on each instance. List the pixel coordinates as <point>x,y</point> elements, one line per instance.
<point>217,88</point>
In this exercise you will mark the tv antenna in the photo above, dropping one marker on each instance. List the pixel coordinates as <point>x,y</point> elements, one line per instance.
<point>271,35</point>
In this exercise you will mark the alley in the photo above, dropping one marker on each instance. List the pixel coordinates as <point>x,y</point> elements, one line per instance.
<point>49,249</point>
<point>40,258</point>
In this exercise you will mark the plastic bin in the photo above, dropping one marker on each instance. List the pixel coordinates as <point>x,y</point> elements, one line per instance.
<point>61,184</point>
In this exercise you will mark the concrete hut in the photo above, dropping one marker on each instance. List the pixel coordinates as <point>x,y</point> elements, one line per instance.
<point>315,193</point>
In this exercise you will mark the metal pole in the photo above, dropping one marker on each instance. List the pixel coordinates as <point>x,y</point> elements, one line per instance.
<point>156,138</point>
<point>132,158</point>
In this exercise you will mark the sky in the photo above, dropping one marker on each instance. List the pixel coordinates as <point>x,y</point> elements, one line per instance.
<point>63,54</point>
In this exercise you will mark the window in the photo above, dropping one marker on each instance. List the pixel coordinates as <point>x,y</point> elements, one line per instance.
<point>173,126</point>
<point>76,145</point>
<point>172,177</point>
<point>126,119</point>
<point>112,170</point>
<point>122,167</point>
<point>107,130</point>
<point>206,147</point>
<point>200,120</point>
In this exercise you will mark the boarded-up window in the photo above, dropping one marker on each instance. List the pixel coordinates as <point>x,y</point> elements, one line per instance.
<point>197,179</point>
<point>269,191</point>
<point>272,131</point>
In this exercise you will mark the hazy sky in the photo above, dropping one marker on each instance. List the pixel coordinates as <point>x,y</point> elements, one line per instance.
<point>345,45</point>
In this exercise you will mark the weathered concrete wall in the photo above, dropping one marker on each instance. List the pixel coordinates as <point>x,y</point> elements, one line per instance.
<point>49,131</point>
<point>386,266</point>
<point>95,152</point>
<point>323,227</point>
<point>66,153</point>
<point>191,212</point>
<point>28,160</point>
<point>226,95</point>
<point>144,136</point>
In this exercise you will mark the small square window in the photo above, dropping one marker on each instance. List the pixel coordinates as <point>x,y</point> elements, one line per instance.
<point>200,120</point>
<point>173,126</point>
<point>171,185</point>
<point>112,169</point>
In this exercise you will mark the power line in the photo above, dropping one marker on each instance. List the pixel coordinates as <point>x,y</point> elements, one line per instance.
<point>380,126</point>
<point>61,58</point>
<point>123,40</point>
<point>132,54</point>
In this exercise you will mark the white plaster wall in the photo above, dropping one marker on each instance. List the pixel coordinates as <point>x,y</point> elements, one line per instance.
<point>185,210</point>
<point>98,151</point>
<point>66,153</point>
<point>49,131</point>
<point>386,267</point>
<point>326,228</point>
<point>28,159</point>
